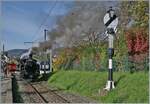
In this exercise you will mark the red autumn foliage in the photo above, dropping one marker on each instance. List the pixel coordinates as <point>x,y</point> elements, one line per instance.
<point>137,42</point>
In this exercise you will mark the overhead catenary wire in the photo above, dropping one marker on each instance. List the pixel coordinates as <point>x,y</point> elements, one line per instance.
<point>50,12</point>
<point>38,40</point>
<point>43,22</point>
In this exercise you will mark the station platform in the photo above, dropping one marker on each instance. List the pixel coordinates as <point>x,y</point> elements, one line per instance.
<point>6,90</point>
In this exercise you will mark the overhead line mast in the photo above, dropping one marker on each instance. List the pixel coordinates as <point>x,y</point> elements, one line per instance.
<point>45,20</point>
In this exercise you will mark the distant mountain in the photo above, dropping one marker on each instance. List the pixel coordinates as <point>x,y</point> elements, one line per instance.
<point>16,52</point>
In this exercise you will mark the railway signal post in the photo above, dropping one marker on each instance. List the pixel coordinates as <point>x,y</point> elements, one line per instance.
<point>111,22</point>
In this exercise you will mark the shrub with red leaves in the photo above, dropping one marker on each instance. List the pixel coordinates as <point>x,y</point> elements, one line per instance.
<point>137,43</point>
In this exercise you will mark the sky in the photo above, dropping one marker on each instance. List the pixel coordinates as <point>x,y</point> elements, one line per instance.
<point>25,21</point>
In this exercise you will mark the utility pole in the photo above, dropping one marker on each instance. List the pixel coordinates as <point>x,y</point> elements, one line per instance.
<point>51,50</point>
<point>111,22</point>
<point>45,35</point>
<point>3,48</point>
<point>28,42</point>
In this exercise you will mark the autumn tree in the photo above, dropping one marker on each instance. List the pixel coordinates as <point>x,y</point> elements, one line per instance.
<point>134,12</point>
<point>134,18</point>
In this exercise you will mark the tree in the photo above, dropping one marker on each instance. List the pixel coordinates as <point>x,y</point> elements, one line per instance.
<point>134,33</point>
<point>136,12</point>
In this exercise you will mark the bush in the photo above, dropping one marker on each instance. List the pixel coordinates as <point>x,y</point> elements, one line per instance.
<point>137,43</point>
<point>130,54</point>
<point>85,57</point>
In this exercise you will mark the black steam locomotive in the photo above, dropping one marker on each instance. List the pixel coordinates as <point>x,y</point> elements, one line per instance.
<point>29,68</point>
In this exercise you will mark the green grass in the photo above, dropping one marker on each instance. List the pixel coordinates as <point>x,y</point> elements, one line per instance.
<point>15,92</point>
<point>130,88</point>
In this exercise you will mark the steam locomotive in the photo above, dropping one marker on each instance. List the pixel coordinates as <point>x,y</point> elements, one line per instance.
<point>29,68</point>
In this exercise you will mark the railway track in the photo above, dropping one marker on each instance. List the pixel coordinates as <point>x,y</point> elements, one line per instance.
<point>35,92</point>
<point>25,92</point>
<point>59,96</point>
<point>50,95</point>
<point>38,94</point>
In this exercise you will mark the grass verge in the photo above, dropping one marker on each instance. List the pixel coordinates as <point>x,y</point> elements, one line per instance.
<point>130,88</point>
<point>15,93</point>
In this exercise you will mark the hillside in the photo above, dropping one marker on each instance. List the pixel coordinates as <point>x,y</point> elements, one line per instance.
<point>16,52</point>
<point>130,88</point>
